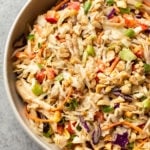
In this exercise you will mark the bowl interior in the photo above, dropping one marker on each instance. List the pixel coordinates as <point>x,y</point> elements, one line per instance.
<point>28,14</point>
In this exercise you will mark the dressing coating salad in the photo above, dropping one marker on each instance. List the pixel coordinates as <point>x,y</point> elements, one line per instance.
<point>84,75</point>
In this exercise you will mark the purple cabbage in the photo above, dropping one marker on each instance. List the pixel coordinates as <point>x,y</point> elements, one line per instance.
<point>117,92</point>
<point>127,97</point>
<point>116,89</point>
<point>116,105</point>
<point>64,6</point>
<point>111,13</point>
<point>138,16</point>
<point>46,127</point>
<point>96,135</point>
<point>147,31</point>
<point>84,124</point>
<point>122,139</point>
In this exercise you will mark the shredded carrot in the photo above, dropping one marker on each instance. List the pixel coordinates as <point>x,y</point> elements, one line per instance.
<point>114,64</point>
<point>62,40</point>
<point>36,119</point>
<point>124,123</point>
<point>59,108</point>
<point>62,105</point>
<point>133,127</point>
<point>99,38</point>
<point>29,116</point>
<point>112,125</point>
<point>130,23</point>
<point>138,147</point>
<point>147,2</point>
<point>57,7</point>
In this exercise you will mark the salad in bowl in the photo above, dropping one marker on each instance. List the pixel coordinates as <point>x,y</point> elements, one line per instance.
<point>84,75</point>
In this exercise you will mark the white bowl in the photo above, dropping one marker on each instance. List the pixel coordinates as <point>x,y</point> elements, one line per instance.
<point>26,16</point>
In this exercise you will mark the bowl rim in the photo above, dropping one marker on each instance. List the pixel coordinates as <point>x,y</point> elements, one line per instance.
<point>6,82</point>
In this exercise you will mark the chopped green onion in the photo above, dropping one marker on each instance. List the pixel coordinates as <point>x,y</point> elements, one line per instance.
<point>87,6</point>
<point>59,77</point>
<point>138,5</point>
<point>130,33</point>
<point>127,55</point>
<point>130,146</point>
<point>49,133</point>
<point>90,50</point>
<point>69,143</point>
<point>37,89</point>
<point>39,45</point>
<point>110,2</point>
<point>147,68</point>
<point>124,10</point>
<point>91,37</point>
<point>143,98</point>
<point>107,109</point>
<point>62,121</point>
<point>79,128</point>
<point>72,136</point>
<point>146,104</point>
<point>40,66</point>
<point>111,46</point>
<point>31,37</point>
<point>72,104</point>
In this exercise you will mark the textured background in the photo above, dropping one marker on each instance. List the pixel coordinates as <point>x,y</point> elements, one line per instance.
<point>12,135</point>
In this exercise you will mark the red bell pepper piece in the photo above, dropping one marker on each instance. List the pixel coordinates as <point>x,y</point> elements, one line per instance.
<point>99,116</point>
<point>144,27</point>
<point>139,54</point>
<point>69,128</point>
<point>74,5</point>
<point>40,76</point>
<point>133,67</point>
<point>60,129</point>
<point>52,20</point>
<point>51,17</point>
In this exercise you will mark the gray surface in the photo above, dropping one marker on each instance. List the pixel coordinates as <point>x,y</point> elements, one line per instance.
<point>12,135</point>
